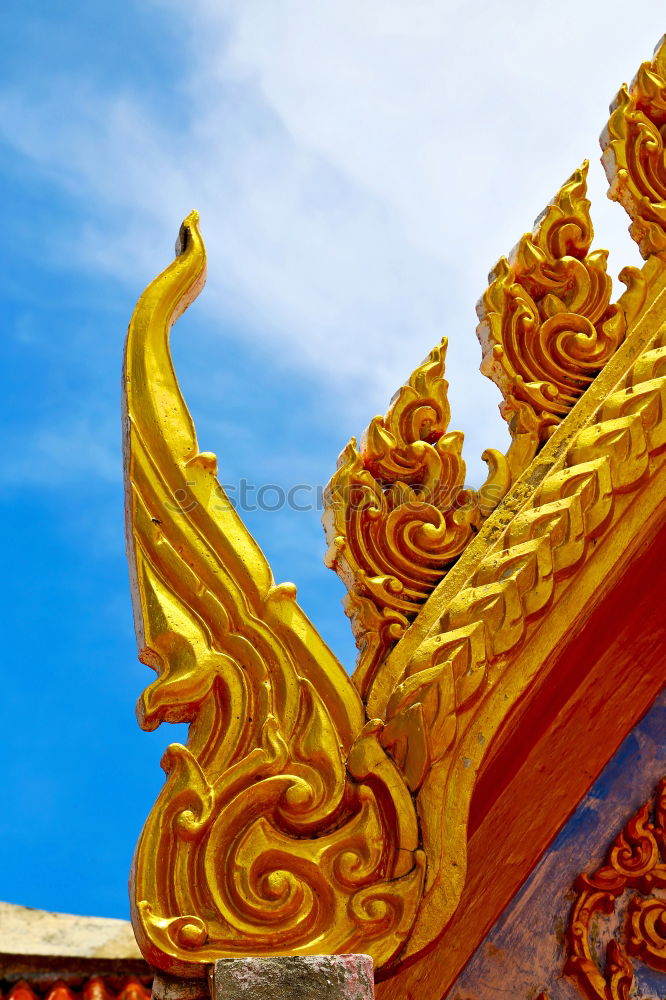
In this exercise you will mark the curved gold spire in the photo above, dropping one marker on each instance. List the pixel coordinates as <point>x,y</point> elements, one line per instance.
<point>283,824</point>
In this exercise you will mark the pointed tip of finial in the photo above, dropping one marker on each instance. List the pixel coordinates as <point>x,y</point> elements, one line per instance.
<point>188,227</point>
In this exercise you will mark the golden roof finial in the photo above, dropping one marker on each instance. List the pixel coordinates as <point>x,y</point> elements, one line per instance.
<point>309,813</point>
<point>272,832</point>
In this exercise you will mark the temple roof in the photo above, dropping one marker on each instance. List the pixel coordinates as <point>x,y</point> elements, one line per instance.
<point>58,956</point>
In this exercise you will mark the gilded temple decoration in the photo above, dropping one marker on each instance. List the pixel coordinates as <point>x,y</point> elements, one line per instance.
<point>635,864</point>
<point>309,812</point>
<point>634,154</point>
<point>547,325</point>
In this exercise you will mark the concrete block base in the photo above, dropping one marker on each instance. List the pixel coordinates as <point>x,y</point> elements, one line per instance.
<point>312,977</point>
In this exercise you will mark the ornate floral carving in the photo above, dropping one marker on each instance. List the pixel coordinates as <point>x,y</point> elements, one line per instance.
<point>634,153</point>
<point>636,861</point>
<point>397,514</point>
<point>291,801</point>
<point>547,323</point>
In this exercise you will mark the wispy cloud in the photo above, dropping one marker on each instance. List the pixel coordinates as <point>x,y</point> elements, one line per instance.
<point>358,167</point>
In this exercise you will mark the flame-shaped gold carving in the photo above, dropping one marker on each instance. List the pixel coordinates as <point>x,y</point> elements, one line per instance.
<point>398,513</point>
<point>547,323</point>
<point>635,156</point>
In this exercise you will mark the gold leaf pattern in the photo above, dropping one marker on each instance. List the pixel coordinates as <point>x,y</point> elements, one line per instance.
<point>461,662</point>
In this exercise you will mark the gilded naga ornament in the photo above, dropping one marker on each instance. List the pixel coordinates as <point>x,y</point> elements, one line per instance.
<point>316,812</point>
<point>284,826</point>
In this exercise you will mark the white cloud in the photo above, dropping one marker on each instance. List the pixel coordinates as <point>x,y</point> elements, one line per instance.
<point>359,166</point>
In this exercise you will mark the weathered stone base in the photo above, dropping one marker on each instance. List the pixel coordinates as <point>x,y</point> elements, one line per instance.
<point>315,977</point>
<point>167,987</point>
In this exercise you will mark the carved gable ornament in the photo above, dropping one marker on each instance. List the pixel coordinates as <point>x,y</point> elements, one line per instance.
<point>313,812</point>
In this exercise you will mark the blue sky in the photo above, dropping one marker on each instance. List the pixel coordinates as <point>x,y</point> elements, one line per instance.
<point>358,167</point>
